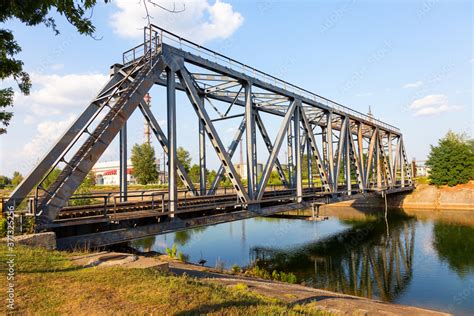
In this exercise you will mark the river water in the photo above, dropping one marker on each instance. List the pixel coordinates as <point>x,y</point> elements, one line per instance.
<point>424,259</point>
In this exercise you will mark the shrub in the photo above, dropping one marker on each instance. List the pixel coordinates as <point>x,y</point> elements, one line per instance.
<point>235,269</point>
<point>182,257</point>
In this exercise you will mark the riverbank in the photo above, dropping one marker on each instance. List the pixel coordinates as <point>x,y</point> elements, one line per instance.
<point>424,197</point>
<point>49,282</point>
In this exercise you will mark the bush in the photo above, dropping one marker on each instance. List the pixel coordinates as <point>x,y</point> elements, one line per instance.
<point>235,269</point>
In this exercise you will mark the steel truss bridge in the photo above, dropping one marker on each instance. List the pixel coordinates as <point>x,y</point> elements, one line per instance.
<point>349,154</point>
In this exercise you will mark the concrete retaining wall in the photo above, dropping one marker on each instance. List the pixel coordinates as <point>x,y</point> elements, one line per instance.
<point>425,196</point>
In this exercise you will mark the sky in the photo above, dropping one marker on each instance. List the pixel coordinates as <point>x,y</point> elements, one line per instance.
<point>410,61</point>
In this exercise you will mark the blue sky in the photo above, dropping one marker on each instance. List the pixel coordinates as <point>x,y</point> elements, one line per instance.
<point>411,61</point>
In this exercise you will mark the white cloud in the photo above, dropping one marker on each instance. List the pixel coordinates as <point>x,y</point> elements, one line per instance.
<point>57,66</point>
<point>431,105</point>
<point>200,22</point>
<point>413,85</point>
<point>47,132</point>
<point>58,94</point>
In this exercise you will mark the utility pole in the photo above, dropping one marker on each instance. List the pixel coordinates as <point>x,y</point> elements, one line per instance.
<point>147,99</point>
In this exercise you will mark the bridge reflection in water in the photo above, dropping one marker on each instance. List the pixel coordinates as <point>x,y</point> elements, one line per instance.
<point>369,259</point>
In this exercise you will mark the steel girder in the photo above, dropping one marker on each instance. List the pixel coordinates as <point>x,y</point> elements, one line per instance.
<point>231,150</point>
<point>275,151</point>
<point>196,101</point>
<point>314,149</point>
<point>270,147</point>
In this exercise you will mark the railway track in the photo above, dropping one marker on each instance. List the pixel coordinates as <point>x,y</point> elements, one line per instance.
<point>160,206</point>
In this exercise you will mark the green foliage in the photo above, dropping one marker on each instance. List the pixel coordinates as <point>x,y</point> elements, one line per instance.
<point>182,257</point>
<point>3,227</point>
<point>275,275</point>
<point>144,163</point>
<point>194,173</point>
<point>211,176</point>
<point>452,161</point>
<point>274,179</point>
<point>172,252</point>
<point>17,178</point>
<point>235,268</point>
<point>4,181</point>
<point>51,177</point>
<point>184,157</point>
<point>84,188</point>
<point>32,13</point>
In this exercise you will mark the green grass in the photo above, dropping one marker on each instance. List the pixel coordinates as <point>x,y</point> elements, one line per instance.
<point>48,283</point>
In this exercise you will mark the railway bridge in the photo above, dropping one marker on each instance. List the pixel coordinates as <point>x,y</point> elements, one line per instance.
<point>347,154</point>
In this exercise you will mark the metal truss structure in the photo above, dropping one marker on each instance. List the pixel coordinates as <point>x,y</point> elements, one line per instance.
<point>346,151</point>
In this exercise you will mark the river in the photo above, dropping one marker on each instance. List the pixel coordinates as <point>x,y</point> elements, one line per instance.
<point>423,259</point>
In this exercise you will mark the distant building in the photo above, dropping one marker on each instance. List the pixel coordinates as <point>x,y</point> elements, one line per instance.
<point>421,170</point>
<point>242,170</point>
<point>108,172</point>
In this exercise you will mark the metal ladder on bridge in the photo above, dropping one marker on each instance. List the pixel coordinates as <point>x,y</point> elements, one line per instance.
<point>122,101</point>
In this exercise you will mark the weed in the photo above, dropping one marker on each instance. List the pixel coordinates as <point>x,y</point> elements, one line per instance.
<point>172,252</point>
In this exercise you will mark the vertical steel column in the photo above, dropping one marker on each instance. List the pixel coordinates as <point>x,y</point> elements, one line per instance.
<point>330,150</point>
<point>172,158</point>
<point>360,144</point>
<point>348,157</point>
<point>202,156</point>
<point>250,142</point>
<point>379,160</point>
<point>324,142</point>
<point>291,179</point>
<point>299,178</point>
<point>123,163</point>
<point>310,162</point>
<point>390,155</point>
<point>402,164</point>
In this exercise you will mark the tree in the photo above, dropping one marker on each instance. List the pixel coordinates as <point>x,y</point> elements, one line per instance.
<point>32,13</point>
<point>452,161</point>
<point>184,158</point>
<point>211,176</point>
<point>195,173</point>
<point>4,180</point>
<point>17,178</point>
<point>144,163</point>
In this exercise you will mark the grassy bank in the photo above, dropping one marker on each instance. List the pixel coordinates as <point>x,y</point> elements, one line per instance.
<point>48,283</point>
